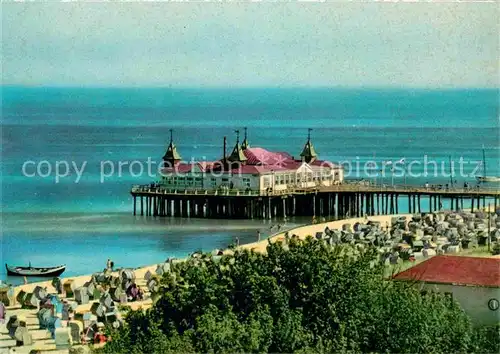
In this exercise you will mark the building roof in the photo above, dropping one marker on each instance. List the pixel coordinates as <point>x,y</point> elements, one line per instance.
<point>172,154</point>
<point>245,144</point>
<point>207,165</point>
<point>178,168</point>
<point>323,163</point>
<point>237,155</point>
<point>257,161</point>
<point>308,153</point>
<point>260,156</point>
<point>458,270</point>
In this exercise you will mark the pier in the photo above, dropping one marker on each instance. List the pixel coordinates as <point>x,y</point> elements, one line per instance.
<point>338,201</point>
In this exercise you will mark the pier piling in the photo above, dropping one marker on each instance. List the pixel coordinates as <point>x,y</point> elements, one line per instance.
<point>339,202</point>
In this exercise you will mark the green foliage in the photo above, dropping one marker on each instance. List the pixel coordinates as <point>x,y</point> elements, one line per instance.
<point>487,339</point>
<point>495,250</point>
<point>302,298</point>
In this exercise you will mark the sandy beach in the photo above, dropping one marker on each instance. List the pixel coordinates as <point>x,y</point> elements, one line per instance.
<point>301,231</point>
<point>41,341</point>
<point>260,246</point>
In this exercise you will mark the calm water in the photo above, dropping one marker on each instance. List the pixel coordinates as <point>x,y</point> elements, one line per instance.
<point>82,224</point>
<point>84,241</point>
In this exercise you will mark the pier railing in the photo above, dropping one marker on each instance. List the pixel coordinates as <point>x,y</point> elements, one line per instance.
<point>344,187</point>
<point>352,187</point>
<point>181,191</point>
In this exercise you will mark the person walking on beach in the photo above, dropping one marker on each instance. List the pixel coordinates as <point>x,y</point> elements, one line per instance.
<point>258,235</point>
<point>2,312</point>
<point>110,264</point>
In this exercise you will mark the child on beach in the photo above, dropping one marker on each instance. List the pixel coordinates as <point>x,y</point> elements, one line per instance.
<point>99,337</point>
<point>140,294</point>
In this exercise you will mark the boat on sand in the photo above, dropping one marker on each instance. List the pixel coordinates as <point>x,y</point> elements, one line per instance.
<point>34,271</point>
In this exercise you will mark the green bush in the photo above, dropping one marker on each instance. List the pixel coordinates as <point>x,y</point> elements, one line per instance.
<point>487,339</point>
<point>307,297</point>
<point>496,248</point>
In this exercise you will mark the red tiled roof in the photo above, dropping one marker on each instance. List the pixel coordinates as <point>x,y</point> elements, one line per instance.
<point>480,271</point>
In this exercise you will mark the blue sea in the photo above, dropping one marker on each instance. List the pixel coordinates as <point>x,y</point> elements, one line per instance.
<point>84,216</point>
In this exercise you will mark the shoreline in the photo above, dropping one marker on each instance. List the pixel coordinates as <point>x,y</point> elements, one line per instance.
<point>259,246</point>
<point>44,343</point>
<point>302,231</point>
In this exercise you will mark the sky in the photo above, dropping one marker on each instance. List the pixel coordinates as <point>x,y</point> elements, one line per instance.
<point>344,44</point>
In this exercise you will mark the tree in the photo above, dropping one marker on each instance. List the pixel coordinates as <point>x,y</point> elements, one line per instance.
<point>302,297</point>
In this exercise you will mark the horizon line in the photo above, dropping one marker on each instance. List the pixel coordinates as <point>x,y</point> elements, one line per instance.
<point>252,87</point>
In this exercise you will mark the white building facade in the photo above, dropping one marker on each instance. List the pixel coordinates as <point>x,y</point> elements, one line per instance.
<point>250,169</point>
<point>473,282</point>
<point>479,302</point>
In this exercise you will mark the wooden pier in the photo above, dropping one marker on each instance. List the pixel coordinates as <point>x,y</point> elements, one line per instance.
<point>345,200</point>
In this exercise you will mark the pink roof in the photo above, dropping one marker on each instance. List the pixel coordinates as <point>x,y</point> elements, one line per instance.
<point>256,169</point>
<point>460,270</point>
<point>259,161</point>
<point>249,169</point>
<point>178,168</point>
<point>323,163</point>
<point>260,156</point>
<point>206,165</point>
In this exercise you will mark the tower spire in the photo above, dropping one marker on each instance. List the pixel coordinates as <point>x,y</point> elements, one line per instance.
<point>171,156</point>
<point>308,153</point>
<point>245,145</point>
<point>237,155</point>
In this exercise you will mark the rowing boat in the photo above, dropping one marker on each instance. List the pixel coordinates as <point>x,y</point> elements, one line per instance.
<point>34,271</point>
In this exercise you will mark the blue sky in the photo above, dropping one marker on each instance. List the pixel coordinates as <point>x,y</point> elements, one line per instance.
<point>242,44</point>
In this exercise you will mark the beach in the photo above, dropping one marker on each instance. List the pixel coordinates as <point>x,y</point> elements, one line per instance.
<point>82,222</point>
<point>301,232</point>
<point>41,341</point>
<point>260,246</point>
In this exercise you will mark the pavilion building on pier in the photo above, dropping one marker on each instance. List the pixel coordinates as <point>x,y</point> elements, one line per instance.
<point>250,169</point>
